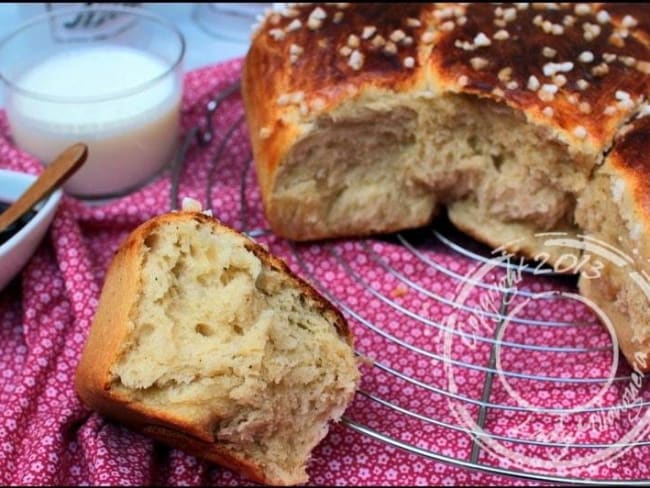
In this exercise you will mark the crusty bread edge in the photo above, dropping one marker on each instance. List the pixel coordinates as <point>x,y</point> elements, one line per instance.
<point>109,328</point>
<point>262,113</point>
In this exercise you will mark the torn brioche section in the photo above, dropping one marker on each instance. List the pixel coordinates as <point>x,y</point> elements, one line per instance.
<point>613,213</point>
<point>372,122</point>
<point>221,342</point>
<point>388,164</point>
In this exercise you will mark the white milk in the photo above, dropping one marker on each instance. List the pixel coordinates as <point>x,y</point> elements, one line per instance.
<point>130,137</point>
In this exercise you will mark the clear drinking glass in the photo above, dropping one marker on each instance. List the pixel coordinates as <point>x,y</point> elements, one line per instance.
<point>229,21</point>
<point>110,77</point>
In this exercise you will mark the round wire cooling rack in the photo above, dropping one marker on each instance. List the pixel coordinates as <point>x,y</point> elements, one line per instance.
<point>490,365</point>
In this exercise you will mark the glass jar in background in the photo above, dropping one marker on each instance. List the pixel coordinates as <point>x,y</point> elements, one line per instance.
<point>108,76</point>
<point>87,18</point>
<point>230,21</point>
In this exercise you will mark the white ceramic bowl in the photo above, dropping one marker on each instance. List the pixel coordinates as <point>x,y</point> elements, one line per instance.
<point>15,253</point>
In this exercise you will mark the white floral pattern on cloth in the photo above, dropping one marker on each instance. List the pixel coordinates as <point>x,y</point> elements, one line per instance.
<point>48,437</point>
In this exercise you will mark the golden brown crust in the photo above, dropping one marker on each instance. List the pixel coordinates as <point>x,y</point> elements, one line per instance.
<point>639,17</point>
<point>94,382</point>
<point>509,53</point>
<point>630,157</point>
<point>531,48</point>
<point>320,68</point>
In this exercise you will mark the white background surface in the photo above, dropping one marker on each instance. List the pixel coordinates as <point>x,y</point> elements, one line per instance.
<point>202,48</point>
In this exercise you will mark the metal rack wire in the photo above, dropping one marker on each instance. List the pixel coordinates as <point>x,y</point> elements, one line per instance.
<point>424,247</point>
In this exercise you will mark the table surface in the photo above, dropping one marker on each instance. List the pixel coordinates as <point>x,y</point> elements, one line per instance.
<point>202,48</point>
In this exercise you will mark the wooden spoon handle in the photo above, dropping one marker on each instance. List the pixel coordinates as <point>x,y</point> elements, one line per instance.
<point>53,176</point>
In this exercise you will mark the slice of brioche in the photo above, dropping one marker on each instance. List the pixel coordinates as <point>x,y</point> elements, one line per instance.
<point>205,341</point>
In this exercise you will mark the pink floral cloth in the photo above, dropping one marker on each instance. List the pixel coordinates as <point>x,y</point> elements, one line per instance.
<point>396,292</point>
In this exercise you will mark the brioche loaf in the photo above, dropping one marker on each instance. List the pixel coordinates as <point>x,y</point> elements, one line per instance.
<point>370,118</point>
<point>205,341</point>
<point>377,115</point>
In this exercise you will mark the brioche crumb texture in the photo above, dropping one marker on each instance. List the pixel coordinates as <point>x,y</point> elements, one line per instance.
<point>606,210</point>
<point>493,171</point>
<point>220,339</point>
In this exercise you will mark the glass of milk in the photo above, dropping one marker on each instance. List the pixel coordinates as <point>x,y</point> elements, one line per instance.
<point>110,77</point>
